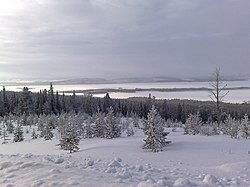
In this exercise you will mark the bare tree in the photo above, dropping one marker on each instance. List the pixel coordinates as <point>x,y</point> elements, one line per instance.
<point>218,92</point>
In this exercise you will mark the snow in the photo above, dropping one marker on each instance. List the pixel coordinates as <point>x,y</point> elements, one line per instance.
<point>210,179</point>
<point>182,182</point>
<point>187,161</point>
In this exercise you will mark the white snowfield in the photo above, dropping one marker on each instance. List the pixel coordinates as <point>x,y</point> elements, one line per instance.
<point>187,161</point>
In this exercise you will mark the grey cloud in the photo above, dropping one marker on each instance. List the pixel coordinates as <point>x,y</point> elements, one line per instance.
<point>104,38</point>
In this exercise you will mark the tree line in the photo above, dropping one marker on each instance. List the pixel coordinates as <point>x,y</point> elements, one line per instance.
<point>50,102</point>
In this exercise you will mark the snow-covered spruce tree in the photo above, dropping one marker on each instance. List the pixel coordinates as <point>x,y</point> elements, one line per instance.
<point>9,127</point>
<point>30,119</point>
<point>215,126</point>
<point>27,131</point>
<point>35,120</point>
<point>209,128</point>
<point>47,132</point>
<point>136,121</point>
<point>88,130</point>
<point>23,120</point>
<point>112,128</point>
<point>193,124</point>
<point>125,123</point>
<point>69,140</point>
<point>41,122</point>
<point>52,121</point>
<point>25,104</point>
<point>231,127</point>
<point>130,131</point>
<point>245,127</point>
<point>18,134</point>
<point>5,135</point>
<point>78,120</point>
<point>34,135</point>
<point>206,130</point>
<point>99,125</point>
<point>153,129</point>
<point>62,121</point>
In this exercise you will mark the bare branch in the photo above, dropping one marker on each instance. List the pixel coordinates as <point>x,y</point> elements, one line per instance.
<point>212,98</point>
<point>222,96</point>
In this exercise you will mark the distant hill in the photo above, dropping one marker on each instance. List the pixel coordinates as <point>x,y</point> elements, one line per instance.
<point>157,79</point>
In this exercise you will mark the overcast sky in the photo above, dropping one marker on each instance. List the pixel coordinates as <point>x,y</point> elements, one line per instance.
<point>52,39</point>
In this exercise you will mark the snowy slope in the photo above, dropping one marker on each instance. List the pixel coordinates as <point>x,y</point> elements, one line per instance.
<point>188,161</point>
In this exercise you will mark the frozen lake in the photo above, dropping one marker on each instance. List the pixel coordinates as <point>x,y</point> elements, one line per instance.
<point>235,96</point>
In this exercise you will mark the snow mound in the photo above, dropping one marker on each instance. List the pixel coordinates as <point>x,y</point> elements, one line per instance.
<point>59,161</point>
<point>90,163</point>
<point>5,165</point>
<point>110,170</point>
<point>210,179</point>
<point>27,165</point>
<point>124,174</point>
<point>162,182</point>
<point>180,182</point>
<point>118,159</point>
<point>148,183</point>
<point>139,167</point>
<point>9,185</point>
<point>232,167</point>
<point>114,163</point>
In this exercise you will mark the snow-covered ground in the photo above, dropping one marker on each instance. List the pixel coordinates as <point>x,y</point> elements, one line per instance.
<point>187,161</point>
